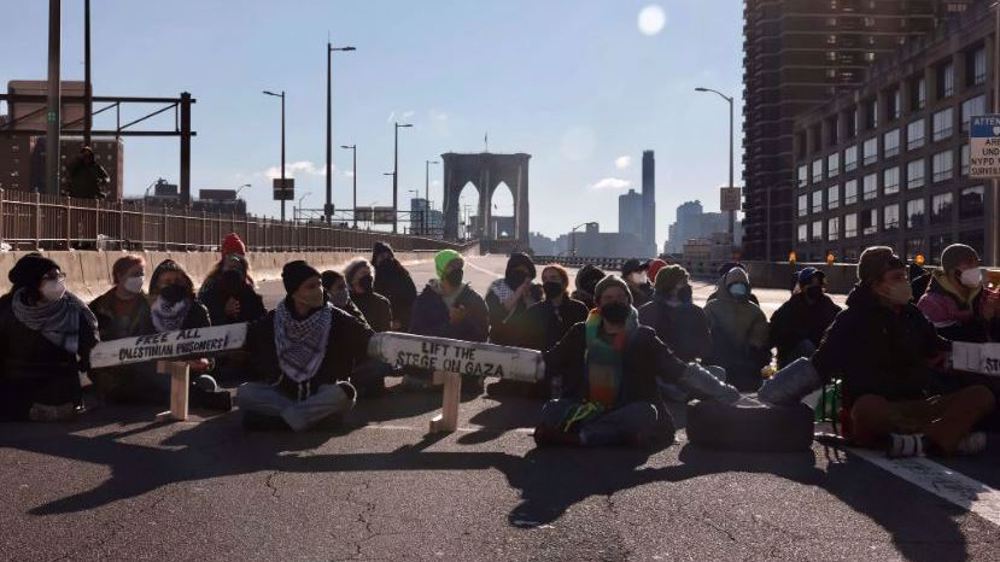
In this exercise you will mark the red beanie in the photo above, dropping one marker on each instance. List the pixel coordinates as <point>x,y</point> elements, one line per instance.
<point>232,244</point>
<point>654,267</point>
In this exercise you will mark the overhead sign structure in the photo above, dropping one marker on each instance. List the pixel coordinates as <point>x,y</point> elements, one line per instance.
<point>731,199</point>
<point>197,342</point>
<point>376,215</point>
<point>984,147</point>
<point>284,189</point>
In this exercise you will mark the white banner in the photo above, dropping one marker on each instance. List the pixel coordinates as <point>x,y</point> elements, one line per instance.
<point>454,356</point>
<point>197,342</point>
<point>981,358</point>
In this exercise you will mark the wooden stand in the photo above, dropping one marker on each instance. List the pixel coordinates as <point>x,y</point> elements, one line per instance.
<point>179,384</point>
<point>447,420</point>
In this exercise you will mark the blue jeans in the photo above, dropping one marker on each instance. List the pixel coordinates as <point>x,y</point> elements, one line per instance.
<point>613,427</point>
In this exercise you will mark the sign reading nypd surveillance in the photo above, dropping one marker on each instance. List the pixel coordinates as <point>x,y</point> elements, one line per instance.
<point>984,147</point>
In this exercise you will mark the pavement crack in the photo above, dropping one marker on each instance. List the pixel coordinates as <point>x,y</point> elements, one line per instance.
<point>269,482</point>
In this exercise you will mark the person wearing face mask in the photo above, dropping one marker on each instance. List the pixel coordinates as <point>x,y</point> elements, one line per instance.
<point>306,349</point>
<point>609,366</point>
<point>175,307</point>
<point>955,301</point>
<point>228,291</point>
<point>509,298</point>
<point>124,312</point>
<point>394,282</point>
<point>882,348</point>
<point>374,307</point>
<point>586,280</point>
<point>546,322</point>
<point>635,275</point>
<point>739,330</point>
<point>679,322</point>
<point>798,325</point>
<point>335,287</point>
<point>46,335</point>
<point>449,308</point>
<point>725,269</point>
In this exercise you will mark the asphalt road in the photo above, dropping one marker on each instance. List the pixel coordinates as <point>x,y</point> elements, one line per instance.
<point>115,485</point>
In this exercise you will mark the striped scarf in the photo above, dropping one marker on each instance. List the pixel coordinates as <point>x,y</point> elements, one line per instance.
<point>604,363</point>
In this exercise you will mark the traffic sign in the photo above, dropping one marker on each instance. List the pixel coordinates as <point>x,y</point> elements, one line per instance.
<point>984,146</point>
<point>284,189</point>
<point>730,198</point>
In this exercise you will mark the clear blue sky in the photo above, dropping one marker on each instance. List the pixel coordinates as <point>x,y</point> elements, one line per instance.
<point>576,83</point>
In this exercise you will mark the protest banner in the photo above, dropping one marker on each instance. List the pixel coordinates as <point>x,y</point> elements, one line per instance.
<point>197,342</point>
<point>983,358</point>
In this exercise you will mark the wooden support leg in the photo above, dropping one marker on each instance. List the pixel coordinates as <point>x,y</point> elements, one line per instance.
<point>447,420</point>
<point>179,385</point>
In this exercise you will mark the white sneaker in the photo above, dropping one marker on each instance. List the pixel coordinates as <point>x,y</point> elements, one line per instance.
<point>972,444</point>
<point>906,445</point>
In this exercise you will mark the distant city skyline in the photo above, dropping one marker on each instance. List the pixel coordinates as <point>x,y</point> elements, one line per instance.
<point>584,87</point>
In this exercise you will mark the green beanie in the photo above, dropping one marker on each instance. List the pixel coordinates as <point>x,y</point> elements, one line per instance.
<point>443,258</point>
<point>669,277</point>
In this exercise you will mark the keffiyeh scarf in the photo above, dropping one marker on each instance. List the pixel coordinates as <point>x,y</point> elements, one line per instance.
<point>168,317</point>
<point>301,344</point>
<point>58,322</point>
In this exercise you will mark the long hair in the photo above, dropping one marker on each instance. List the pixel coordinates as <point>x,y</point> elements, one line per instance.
<point>216,272</point>
<point>164,267</point>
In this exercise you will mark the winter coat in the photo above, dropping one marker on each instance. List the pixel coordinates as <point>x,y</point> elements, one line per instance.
<point>346,348</point>
<point>877,349</point>
<point>544,324</point>
<point>683,328</point>
<point>641,294</point>
<point>113,326</point>
<point>35,370</point>
<point>393,281</point>
<point>431,318</point>
<point>645,359</point>
<point>740,341</point>
<point>503,323</point>
<point>583,296</point>
<point>215,296</point>
<point>87,181</point>
<point>376,310</point>
<point>956,317</point>
<point>797,320</point>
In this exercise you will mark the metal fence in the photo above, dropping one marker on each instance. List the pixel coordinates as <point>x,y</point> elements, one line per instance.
<point>50,222</point>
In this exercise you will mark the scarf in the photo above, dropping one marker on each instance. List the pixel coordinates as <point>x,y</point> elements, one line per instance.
<point>301,344</point>
<point>58,322</point>
<point>604,368</point>
<point>169,317</point>
<point>501,290</point>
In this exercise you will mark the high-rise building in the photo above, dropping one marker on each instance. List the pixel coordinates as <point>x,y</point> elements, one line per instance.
<point>630,213</point>
<point>798,54</point>
<point>648,199</point>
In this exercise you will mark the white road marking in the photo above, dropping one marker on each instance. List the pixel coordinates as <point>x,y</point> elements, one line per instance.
<point>955,487</point>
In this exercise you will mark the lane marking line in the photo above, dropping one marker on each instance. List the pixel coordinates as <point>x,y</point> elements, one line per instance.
<point>945,483</point>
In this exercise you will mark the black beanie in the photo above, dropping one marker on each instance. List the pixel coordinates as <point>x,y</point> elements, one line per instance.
<point>29,270</point>
<point>380,248</point>
<point>295,273</point>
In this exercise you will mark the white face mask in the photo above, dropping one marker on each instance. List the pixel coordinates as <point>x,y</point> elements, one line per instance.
<point>972,278</point>
<point>53,290</point>
<point>134,284</point>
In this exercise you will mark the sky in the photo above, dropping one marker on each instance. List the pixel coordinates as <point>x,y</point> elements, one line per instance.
<point>584,86</point>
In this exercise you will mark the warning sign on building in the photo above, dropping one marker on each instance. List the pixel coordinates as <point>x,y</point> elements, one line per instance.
<point>984,147</point>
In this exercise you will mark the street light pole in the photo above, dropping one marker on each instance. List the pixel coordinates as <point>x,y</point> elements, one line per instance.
<point>328,208</point>
<point>732,214</point>
<point>53,103</point>
<point>395,176</point>
<point>282,96</point>
<point>88,89</point>
<point>354,176</point>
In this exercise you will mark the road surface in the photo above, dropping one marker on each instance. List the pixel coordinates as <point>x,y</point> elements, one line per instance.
<point>115,485</point>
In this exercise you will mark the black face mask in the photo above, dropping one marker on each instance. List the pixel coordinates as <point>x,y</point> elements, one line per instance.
<point>454,277</point>
<point>686,294</point>
<point>616,312</point>
<point>366,283</point>
<point>814,293</point>
<point>173,293</point>
<point>233,281</point>
<point>515,279</point>
<point>553,289</point>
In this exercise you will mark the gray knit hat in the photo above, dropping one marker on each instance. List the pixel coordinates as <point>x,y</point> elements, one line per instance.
<point>957,254</point>
<point>875,261</point>
<point>607,283</point>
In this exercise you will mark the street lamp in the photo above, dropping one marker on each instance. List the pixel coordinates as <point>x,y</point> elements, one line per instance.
<point>241,188</point>
<point>572,237</point>
<point>732,214</point>
<point>395,175</point>
<point>427,192</point>
<point>354,175</point>
<point>328,209</point>
<point>282,96</point>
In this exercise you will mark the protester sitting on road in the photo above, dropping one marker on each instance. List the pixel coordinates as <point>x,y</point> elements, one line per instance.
<point>228,292</point>
<point>546,322</point>
<point>449,308</point>
<point>335,287</point>
<point>882,348</point>
<point>586,279</point>
<point>393,281</point>
<point>726,268</point>
<point>634,273</point>
<point>375,307</point>
<point>46,334</point>
<point>307,349</point>
<point>680,323</point>
<point>609,366</point>
<point>799,324</point>
<point>124,312</point>
<point>86,178</point>
<point>175,307</point>
<point>509,298</point>
<point>739,332</point>
<point>955,301</point>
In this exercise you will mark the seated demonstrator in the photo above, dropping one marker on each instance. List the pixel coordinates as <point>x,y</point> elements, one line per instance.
<point>797,327</point>
<point>307,348</point>
<point>881,347</point>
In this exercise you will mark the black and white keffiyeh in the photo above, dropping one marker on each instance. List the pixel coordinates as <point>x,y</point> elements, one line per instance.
<point>301,344</point>
<point>167,316</point>
<point>58,321</point>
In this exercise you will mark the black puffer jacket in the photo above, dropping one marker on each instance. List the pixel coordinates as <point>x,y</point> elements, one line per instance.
<point>879,350</point>
<point>544,324</point>
<point>797,320</point>
<point>432,318</point>
<point>683,328</point>
<point>393,281</point>
<point>214,295</point>
<point>376,310</point>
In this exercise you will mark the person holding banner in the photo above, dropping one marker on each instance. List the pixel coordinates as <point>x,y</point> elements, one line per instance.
<point>46,334</point>
<point>307,349</point>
